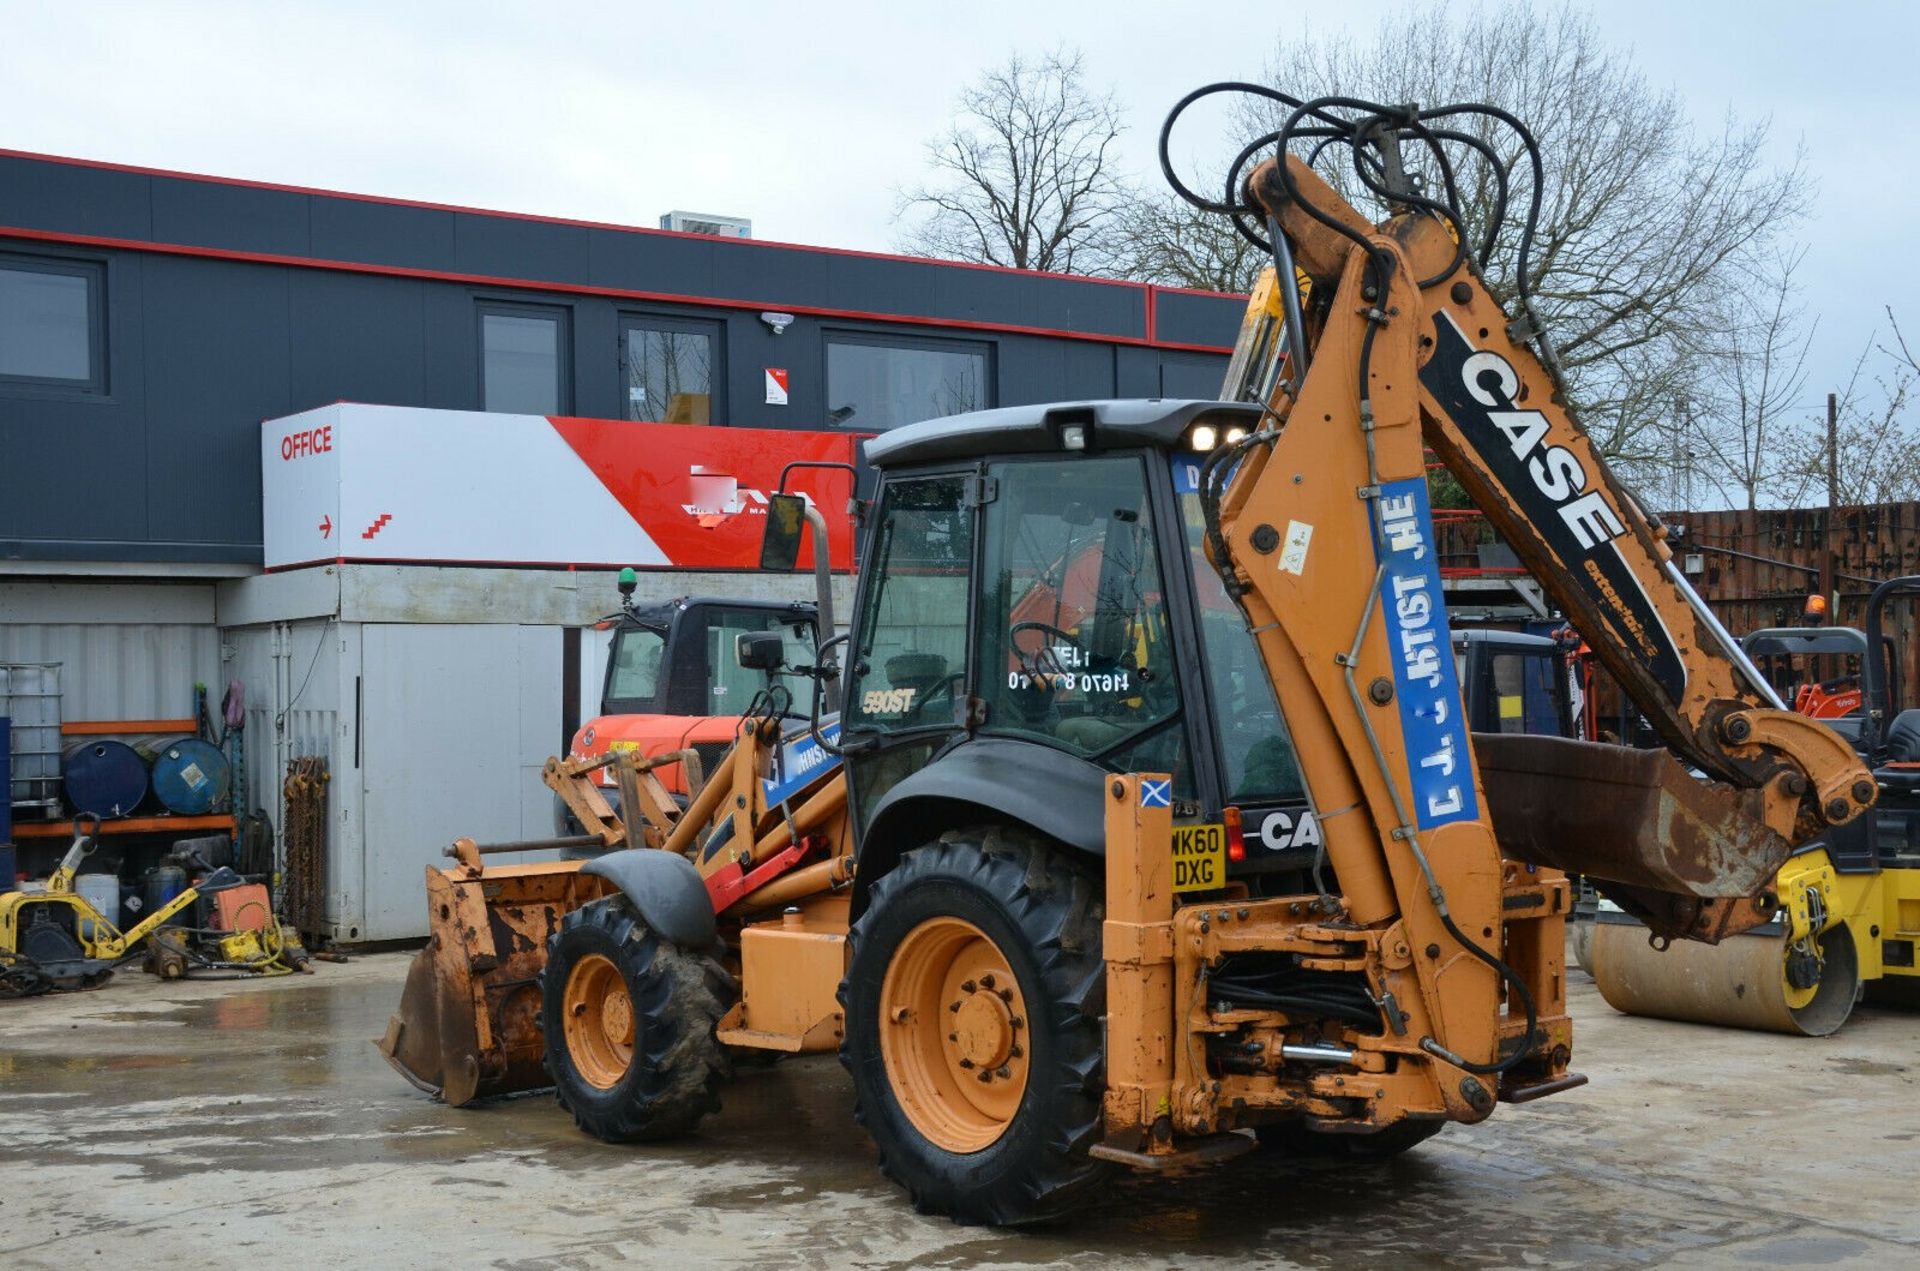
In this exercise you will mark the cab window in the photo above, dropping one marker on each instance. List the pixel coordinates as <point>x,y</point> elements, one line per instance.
<point>1256,755</point>
<point>1072,643</point>
<point>633,670</point>
<point>732,686</point>
<point>1523,693</point>
<point>909,651</point>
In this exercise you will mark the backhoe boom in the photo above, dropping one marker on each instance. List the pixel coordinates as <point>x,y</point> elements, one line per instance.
<point>1408,350</point>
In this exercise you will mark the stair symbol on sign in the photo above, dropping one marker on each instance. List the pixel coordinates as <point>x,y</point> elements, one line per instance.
<point>378,525</point>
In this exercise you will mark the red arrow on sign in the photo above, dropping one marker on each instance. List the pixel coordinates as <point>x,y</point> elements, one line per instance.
<point>326,526</point>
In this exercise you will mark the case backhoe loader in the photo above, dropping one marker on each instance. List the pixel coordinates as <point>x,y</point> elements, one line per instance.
<point>1096,648</point>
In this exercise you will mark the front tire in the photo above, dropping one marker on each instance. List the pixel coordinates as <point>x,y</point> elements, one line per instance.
<point>629,1021</point>
<point>973,999</point>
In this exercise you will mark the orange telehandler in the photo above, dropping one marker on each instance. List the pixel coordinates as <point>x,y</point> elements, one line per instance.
<point>1027,883</point>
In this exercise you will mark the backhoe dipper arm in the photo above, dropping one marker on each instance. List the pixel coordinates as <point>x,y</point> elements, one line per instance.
<point>1409,350</point>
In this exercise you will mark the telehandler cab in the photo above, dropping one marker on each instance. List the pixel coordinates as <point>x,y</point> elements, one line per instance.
<point>1092,643</point>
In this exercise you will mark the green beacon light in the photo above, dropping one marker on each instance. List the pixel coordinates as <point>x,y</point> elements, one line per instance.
<point>628,581</point>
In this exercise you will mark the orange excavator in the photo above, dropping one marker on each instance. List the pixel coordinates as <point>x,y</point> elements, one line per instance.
<point>1025,884</point>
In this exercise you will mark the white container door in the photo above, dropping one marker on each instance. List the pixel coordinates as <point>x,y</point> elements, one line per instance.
<point>456,723</point>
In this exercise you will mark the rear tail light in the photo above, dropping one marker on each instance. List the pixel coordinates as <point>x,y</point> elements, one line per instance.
<point>1236,835</point>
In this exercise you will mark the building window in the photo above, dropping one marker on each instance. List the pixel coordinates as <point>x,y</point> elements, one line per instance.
<point>874,385</point>
<point>524,360</point>
<point>1196,375</point>
<point>673,370</point>
<point>52,328</point>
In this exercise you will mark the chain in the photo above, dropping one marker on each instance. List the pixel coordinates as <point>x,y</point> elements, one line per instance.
<point>305,884</point>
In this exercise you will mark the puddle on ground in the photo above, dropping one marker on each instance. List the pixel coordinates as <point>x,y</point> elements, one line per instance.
<point>1856,1067</point>
<point>288,1082</point>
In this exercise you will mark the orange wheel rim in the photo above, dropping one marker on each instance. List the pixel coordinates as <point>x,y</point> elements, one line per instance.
<point>954,1035</point>
<point>598,1021</point>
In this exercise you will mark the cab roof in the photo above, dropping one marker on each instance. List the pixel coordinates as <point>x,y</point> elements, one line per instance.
<point>1791,640</point>
<point>1139,421</point>
<point>1515,640</point>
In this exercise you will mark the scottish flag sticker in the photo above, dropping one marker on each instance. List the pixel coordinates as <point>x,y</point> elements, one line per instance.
<point>1156,794</point>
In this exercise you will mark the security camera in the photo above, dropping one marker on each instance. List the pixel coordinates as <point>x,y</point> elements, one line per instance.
<point>777,322</point>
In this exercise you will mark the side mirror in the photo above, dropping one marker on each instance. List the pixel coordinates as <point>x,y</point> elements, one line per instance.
<point>760,650</point>
<point>786,523</point>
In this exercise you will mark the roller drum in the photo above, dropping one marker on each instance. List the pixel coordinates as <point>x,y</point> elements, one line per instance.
<point>1739,983</point>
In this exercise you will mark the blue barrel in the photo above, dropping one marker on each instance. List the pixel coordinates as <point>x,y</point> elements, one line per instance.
<point>189,775</point>
<point>164,882</point>
<point>106,778</point>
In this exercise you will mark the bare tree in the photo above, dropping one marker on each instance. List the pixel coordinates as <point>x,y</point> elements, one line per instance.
<point>1025,176</point>
<point>1647,225</point>
<point>1159,238</point>
<point>1756,385</point>
<point>1877,455</point>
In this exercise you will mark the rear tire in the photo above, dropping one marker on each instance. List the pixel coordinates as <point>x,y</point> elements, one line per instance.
<point>629,1021</point>
<point>954,920</point>
<point>1294,1139</point>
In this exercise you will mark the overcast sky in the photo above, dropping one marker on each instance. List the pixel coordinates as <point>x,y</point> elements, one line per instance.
<point>809,117</point>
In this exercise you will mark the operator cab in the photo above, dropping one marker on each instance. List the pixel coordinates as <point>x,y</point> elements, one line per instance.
<point>677,658</point>
<point>673,682</point>
<point>1816,670</point>
<point>1037,612</point>
<point>1513,682</point>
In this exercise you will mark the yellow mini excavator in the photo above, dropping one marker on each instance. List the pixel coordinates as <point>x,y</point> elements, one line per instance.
<point>1151,829</point>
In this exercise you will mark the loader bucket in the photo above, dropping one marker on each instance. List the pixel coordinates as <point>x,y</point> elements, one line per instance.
<point>1635,817</point>
<point>469,1021</point>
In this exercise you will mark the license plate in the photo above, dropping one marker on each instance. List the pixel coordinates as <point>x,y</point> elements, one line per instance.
<point>1199,857</point>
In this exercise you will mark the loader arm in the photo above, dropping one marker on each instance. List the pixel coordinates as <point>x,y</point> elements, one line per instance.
<point>1408,350</point>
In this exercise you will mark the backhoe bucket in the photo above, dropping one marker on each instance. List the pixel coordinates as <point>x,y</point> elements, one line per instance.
<point>1635,817</point>
<point>469,1021</point>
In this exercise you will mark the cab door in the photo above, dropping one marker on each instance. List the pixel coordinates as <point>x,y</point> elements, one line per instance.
<point>907,664</point>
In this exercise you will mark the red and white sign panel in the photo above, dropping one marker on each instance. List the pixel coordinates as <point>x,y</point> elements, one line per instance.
<point>402,484</point>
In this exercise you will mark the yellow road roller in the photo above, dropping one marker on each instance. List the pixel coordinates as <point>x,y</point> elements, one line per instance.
<point>1849,903</point>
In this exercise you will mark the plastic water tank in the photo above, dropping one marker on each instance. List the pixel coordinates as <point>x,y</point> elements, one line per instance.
<point>189,775</point>
<point>106,778</point>
<point>102,891</point>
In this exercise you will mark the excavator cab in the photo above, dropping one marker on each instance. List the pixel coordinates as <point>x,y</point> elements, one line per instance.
<point>1514,682</point>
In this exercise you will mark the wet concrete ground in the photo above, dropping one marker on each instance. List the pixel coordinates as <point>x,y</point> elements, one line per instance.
<point>222,1124</point>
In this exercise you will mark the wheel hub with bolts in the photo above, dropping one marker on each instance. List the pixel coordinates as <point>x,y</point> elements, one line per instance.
<point>984,1037</point>
<point>599,1021</point>
<point>954,1033</point>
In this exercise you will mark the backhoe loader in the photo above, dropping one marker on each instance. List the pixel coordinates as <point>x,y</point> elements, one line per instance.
<point>1097,647</point>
